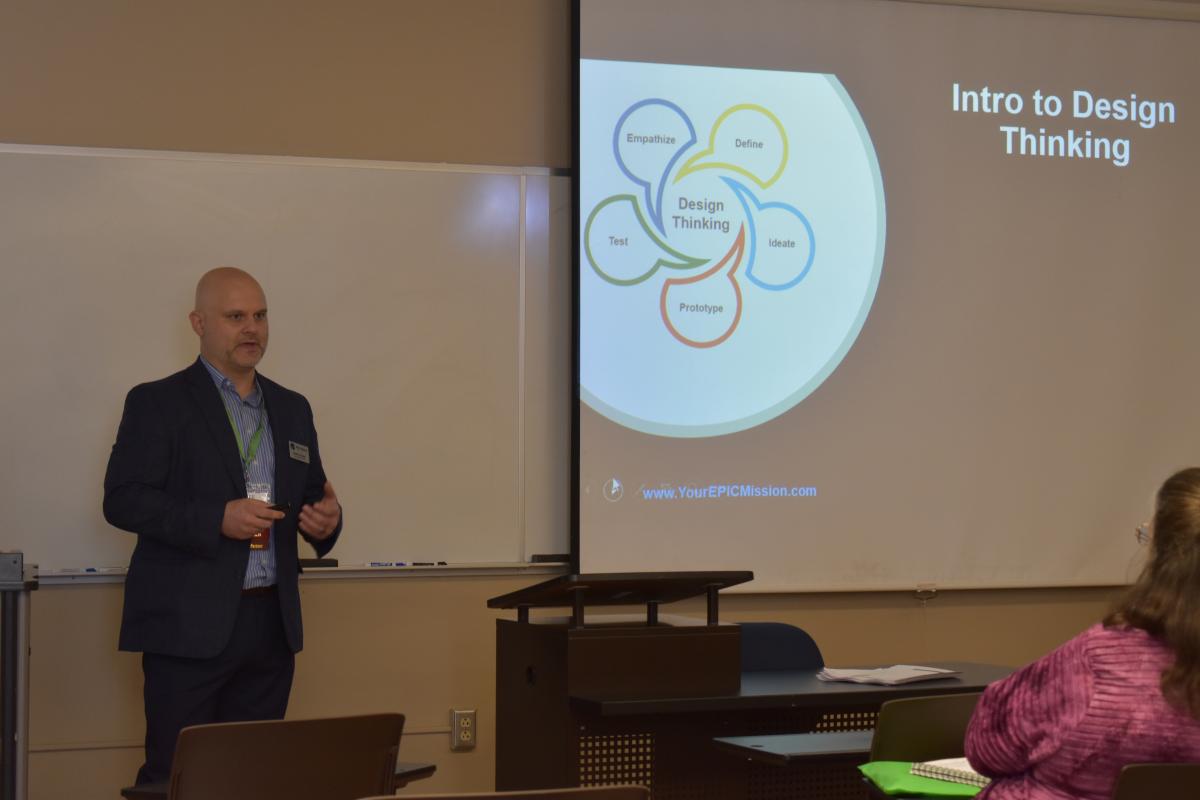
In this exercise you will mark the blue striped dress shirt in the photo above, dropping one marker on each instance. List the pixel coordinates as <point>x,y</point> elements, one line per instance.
<point>247,413</point>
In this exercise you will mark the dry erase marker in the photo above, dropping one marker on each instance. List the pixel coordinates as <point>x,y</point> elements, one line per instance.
<point>381,564</point>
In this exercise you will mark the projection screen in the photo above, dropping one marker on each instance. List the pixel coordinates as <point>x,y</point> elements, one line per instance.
<point>879,295</point>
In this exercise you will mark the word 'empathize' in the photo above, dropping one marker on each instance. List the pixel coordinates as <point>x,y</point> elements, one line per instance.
<point>1022,141</point>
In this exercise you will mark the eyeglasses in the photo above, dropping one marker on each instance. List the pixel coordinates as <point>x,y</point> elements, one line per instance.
<point>1143,532</point>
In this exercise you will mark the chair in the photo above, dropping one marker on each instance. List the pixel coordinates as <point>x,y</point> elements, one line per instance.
<point>1157,782</point>
<point>922,728</point>
<point>578,793</point>
<point>312,759</point>
<point>778,646</point>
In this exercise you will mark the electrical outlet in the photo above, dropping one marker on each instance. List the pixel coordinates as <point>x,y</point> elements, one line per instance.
<point>462,729</point>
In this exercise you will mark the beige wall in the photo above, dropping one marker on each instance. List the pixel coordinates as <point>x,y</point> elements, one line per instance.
<point>463,81</point>
<point>460,81</point>
<point>424,645</point>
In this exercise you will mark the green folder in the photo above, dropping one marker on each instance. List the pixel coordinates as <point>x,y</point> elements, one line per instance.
<point>896,778</point>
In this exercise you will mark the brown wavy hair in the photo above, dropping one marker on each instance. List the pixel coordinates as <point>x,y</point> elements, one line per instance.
<point>1165,599</point>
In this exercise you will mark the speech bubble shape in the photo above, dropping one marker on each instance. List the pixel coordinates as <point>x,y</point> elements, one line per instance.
<point>783,222</point>
<point>707,300</point>
<point>747,139</point>
<point>648,139</point>
<point>621,246</point>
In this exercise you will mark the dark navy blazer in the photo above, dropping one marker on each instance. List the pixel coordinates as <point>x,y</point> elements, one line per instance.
<point>172,469</point>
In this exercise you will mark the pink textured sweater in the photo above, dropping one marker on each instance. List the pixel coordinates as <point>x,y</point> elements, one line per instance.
<point>1062,727</point>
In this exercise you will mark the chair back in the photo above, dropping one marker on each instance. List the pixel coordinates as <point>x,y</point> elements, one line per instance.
<point>778,646</point>
<point>577,793</point>
<point>311,759</point>
<point>1158,782</point>
<point>922,728</point>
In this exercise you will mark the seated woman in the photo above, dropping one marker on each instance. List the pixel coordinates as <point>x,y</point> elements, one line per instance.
<point>1123,692</point>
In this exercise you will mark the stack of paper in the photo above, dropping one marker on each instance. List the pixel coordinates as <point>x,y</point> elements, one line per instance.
<point>886,676</point>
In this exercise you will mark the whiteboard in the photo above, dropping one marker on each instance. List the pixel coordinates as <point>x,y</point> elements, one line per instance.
<point>422,310</point>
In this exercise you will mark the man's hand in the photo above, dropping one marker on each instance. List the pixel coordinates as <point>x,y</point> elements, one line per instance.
<point>246,517</point>
<point>320,519</point>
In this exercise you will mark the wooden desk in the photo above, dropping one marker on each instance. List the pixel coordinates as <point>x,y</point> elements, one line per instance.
<point>582,701</point>
<point>667,743</point>
<point>775,689</point>
<point>405,772</point>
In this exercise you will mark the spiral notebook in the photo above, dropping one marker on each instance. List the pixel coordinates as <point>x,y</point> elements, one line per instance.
<point>955,770</point>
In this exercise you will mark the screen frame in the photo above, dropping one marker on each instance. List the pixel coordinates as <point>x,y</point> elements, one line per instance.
<point>575,266</point>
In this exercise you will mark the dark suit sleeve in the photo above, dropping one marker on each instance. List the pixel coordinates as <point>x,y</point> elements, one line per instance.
<point>314,488</point>
<point>136,497</point>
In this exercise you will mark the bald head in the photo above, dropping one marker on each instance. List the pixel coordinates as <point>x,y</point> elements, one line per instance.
<point>230,317</point>
<point>214,283</point>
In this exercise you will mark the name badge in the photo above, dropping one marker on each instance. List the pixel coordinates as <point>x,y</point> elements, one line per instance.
<point>298,451</point>
<point>260,491</point>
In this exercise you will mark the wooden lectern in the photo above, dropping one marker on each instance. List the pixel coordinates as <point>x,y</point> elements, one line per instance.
<point>541,741</point>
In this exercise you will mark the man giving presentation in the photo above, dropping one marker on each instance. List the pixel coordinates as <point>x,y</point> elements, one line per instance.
<point>216,469</point>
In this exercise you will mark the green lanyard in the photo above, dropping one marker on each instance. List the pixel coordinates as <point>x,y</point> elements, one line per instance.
<point>247,452</point>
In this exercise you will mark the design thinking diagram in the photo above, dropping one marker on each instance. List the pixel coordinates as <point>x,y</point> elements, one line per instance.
<point>773,247</point>
<point>731,241</point>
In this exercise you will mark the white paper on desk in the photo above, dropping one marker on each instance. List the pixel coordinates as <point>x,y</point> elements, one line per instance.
<point>886,676</point>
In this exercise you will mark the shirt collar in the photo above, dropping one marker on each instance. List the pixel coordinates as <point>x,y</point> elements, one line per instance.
<point>223,383</point>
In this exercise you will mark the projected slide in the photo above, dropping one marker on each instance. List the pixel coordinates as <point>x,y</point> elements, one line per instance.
<point>732,241</point>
